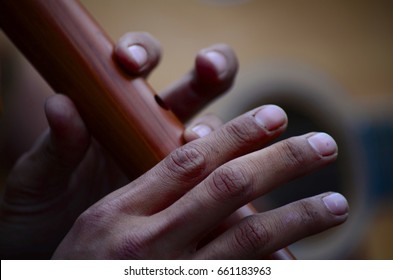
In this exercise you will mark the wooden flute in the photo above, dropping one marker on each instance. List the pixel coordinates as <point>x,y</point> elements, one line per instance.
<point>75,56</point>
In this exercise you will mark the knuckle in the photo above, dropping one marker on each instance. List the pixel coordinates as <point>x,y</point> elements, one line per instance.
<point>308,212</point>
<point>241,132</point>
<point>95,218</point>
<point>229,182</point>
<point>292,154</point>
<point>251,235</point>
<point>309,216</point>
<point>186,163</point>
<point>88,218</point>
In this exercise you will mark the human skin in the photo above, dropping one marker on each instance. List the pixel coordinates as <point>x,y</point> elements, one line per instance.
<point>66,170</point>
<point>198,185</point>
<point>168,211</point>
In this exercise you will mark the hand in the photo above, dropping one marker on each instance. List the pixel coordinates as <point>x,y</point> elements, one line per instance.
<point>67,170</point>
<point>170,210</point>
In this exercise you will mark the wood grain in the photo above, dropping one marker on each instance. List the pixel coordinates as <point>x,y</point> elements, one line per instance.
<point>74,55</point>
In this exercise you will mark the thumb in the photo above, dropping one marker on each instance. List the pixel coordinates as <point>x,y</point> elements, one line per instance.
<point>43,173</point>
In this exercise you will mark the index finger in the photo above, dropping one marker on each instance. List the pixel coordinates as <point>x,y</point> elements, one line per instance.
<point>214,73</point>
<point>184,168</point>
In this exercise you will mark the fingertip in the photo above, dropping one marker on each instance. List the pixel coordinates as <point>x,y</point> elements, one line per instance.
<point>323,144</point>
<point>68,131</point>
<point>202,127</point>
<point>134,58</point>
<point>216,64</point>
<point>138,53</point>
<point>271,117</point>
<point>213,74</point>
<point>196,132</point>
<point>336,204</point>
<point>60,110</point>
<point>137,56</point>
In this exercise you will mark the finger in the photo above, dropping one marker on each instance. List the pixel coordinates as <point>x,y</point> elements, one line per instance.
<point>264,233</point>
<point>214,73</point>
<point>245,178</point>
<point>191,163</point>
<point>43,171</point>
<point>199,128</point>
<point>138,53</point>
<point>69,137</point>
<point>202,127</point>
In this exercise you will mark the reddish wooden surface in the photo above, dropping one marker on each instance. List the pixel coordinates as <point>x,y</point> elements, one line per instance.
<point>74,55</point>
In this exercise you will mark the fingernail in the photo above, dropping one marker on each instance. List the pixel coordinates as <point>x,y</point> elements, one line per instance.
<point>138,54</point>
<point>271,117</point>
<point>219,61</point>
<point>202,130</point>
<point>336,204</point>
<point>323,144</point>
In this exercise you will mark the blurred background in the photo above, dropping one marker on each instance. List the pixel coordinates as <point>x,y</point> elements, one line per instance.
<point>329,64</point>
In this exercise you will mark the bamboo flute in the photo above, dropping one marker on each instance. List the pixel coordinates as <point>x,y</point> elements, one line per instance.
<point>75,56</point>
